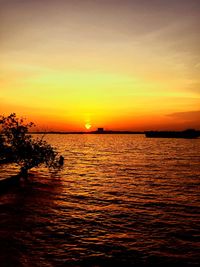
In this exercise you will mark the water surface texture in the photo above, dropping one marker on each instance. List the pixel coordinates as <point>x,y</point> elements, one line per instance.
<point>119,200</point>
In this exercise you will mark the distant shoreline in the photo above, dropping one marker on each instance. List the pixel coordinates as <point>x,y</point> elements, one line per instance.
<point>92,132</point>
<point>164,134</point>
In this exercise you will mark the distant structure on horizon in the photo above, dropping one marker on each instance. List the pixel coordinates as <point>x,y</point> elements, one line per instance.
<point>100,130</point>
<point>189,133</point>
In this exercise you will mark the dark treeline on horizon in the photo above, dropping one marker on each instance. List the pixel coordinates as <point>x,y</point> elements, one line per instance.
<point>102,131</point>
<point>91,132</point>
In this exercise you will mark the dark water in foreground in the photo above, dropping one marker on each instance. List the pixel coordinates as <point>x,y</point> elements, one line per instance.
<point>120,200</point>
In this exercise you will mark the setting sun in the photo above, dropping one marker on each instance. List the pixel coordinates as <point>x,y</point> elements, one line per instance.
<point>88,125</point>
<point>99,132</point>
<point>67,63</point>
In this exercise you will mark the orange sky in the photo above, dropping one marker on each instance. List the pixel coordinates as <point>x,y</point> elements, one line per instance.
<point>121,65</point>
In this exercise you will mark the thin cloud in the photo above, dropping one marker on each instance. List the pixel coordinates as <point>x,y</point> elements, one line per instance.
<point>187,115</point>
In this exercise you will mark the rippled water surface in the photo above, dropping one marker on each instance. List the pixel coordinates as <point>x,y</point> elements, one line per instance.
<point>119,200</point>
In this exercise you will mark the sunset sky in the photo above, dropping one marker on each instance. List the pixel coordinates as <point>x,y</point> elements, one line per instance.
<point>117,64</point>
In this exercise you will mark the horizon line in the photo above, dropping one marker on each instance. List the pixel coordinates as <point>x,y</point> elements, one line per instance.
<point>107,131</point>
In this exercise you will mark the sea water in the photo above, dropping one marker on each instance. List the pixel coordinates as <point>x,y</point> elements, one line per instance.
<point>119,200</point>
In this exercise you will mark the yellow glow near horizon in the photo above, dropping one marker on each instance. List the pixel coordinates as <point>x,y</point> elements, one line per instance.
<point>63,64</point>
<point>88,125</point>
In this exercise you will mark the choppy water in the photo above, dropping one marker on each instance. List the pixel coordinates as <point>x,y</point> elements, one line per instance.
<point>119,200</point>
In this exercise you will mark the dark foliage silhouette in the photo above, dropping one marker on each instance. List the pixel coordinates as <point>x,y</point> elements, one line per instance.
<point>17,146</point>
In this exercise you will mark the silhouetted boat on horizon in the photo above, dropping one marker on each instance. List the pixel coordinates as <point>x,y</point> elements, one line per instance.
<point>188,134</point>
